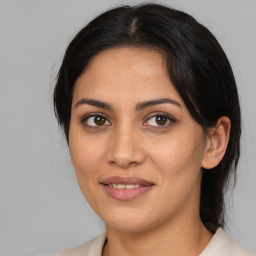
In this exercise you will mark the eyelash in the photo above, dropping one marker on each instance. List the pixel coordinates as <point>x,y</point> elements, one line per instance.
<point>85,118</point>
<point>169,118</point>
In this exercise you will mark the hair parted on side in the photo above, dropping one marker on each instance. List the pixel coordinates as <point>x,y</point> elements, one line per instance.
<point>196,64</point>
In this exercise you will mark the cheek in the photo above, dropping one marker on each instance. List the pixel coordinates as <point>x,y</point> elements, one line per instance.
<point>85,150</point>
<point>86,153</point>
<point>178,163</point>
<point>86,159</point>
<point>179,157</point>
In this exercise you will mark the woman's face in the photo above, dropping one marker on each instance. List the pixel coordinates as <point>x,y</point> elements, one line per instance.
<point>136,150</point>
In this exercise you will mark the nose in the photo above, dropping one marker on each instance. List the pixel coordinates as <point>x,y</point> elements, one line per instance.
<point>126,149</point>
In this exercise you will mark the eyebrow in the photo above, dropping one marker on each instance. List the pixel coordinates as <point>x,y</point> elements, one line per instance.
<point>142,105</point>
<point>95,103</point>
<point>139,106</point>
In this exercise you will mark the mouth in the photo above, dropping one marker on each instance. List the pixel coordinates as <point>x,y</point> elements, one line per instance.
<point>126,188</point>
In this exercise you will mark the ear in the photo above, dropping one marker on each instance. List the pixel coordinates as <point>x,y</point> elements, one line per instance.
<point>216,144</point>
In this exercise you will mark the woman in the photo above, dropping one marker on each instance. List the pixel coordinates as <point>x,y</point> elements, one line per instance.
<point>149,106</point>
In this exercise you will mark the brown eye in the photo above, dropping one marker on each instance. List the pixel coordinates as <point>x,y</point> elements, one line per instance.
<point>161,120</point>
<point>99,120</point>
<point>96,120</point>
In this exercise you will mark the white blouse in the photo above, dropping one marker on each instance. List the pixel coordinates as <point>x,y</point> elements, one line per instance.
<point>221,244</point>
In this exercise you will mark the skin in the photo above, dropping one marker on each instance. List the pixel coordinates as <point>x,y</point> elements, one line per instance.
<point>130,142</point>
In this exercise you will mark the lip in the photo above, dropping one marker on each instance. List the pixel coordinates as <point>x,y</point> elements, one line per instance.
<point>126,194</point>
<point>126,181</point>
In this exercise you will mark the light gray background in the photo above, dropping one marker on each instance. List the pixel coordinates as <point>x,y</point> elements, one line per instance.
<point>41,207</point>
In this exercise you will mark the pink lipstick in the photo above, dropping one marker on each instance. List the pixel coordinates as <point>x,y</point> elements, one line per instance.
<point>126,188</point>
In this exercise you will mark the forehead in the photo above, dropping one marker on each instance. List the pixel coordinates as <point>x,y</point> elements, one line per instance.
<point>126,73</point>
<point>142,59</point>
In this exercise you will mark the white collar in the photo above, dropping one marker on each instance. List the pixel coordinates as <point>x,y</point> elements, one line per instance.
<point>221,244</point>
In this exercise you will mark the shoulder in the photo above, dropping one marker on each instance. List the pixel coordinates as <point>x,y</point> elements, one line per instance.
<point>223,245</point>
<point>92,247</point>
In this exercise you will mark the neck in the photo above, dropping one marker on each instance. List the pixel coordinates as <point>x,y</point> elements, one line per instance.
<point>180,239</point>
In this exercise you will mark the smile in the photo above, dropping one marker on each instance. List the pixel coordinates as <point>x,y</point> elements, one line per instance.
<point>123,186</point>
<point>126,188</point>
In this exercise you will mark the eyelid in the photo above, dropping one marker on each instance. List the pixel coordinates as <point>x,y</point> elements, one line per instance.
<point>85,117</point>
<point>170,118</point>
<point>163,114</point>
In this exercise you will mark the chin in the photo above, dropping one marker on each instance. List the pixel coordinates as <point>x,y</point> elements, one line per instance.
<point>129,226</point>
<point>129,222</point>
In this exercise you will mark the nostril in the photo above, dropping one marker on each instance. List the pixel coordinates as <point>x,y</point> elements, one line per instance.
<point>124,163</point>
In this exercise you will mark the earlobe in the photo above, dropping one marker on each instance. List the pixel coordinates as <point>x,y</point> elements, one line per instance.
<point>217,141</point>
